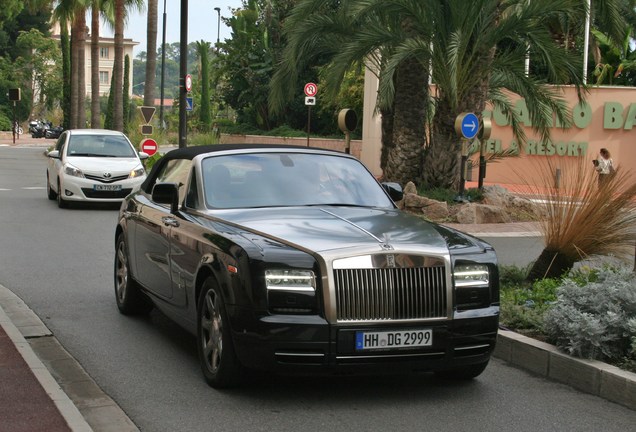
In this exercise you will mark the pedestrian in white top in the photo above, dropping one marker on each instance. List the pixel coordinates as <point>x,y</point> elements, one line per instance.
<point>604,166</point>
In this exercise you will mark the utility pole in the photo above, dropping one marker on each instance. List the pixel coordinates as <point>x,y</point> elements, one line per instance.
<point>183,71</point>
<point>163,65</point>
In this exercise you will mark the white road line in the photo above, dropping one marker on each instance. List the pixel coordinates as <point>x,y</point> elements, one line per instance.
<point>34,188</point>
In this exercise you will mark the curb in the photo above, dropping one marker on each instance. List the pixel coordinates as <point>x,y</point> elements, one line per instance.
<point>589,376</point>
<point>66,407</point>
<point>82,403</point>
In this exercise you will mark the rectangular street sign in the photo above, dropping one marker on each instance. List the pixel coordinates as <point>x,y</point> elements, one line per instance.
<point>310,100</point>
<point>188,104</point>
<point>146,129</point>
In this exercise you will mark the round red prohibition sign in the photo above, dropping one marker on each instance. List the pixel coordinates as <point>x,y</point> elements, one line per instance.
<point>149,146</point>
<point>311,89</point>
<point>188,83</point>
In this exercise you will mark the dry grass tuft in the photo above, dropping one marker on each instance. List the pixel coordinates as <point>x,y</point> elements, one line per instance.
<point>583,219</point>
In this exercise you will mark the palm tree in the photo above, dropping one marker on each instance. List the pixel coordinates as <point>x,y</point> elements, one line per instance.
<point>73,11</point>
<point>151,50</point>
<point>120,13</point>
<point>475,50</point>
<point>96,6</point>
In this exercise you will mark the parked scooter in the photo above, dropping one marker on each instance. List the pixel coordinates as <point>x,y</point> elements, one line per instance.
<point>38,128</point>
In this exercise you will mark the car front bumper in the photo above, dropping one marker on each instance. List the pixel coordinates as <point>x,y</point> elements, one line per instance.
<point>311,344</point>
<point>81,189</point>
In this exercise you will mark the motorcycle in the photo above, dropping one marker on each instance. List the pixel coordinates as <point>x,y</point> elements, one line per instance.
<point>54,132</point>
<point>38,128</point>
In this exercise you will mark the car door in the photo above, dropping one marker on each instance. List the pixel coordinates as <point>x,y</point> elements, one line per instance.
<point>154,225</point>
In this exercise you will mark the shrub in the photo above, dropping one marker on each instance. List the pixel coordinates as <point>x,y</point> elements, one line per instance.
<point>523,305</point>
<point>5,123</point>
<point>596,320</point>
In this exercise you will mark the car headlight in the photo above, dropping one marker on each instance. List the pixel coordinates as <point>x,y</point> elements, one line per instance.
<point>291,291</point>
<point>72,171</point>
<point>290,280</point>
<point>137,172</point>
<point>472,284</point>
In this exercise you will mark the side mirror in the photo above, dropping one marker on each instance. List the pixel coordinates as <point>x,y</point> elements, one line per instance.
<point>54,154</point>
<point>394,190</point>
<point>143,155</point>
<point>166,193</point>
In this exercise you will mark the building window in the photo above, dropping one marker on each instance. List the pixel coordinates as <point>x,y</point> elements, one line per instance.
<point>103,52</point>
<point>103,77</point>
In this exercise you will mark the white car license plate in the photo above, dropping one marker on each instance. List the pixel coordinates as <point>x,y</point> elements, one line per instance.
<point>393,339</point>
<point>99,187</point>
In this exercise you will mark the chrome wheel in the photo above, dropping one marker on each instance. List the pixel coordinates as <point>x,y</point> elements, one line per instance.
<point>219,363</point>
<point>121,272</point>
<point>211,332</point>
<point>130,299</point>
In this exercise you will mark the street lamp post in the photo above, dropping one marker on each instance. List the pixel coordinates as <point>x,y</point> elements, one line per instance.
<point>218,27</point>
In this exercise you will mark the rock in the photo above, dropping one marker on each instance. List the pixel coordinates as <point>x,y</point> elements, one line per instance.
<point>410,188</point>
<point>481,213</point>
<point>436,210</point>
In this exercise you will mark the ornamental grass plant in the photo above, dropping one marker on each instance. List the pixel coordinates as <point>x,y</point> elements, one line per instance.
<point>582,217</point>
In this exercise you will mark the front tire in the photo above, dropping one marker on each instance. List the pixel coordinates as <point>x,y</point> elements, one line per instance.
<point>49,190</point>
<point>61,203</point>
<point>130,299</point>
<point>220,366</point>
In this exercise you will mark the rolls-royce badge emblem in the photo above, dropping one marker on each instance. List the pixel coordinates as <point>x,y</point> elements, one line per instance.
<point>390,261</point>
<point>107,175</point>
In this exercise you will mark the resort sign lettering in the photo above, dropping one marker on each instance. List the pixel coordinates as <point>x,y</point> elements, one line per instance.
<point>615,117</point>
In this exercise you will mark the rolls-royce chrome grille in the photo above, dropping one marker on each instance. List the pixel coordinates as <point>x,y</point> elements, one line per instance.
<point>376,294</point>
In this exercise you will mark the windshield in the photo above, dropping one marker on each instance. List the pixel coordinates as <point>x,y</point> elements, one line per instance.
<point>289,179</point>
<point>100,146</point>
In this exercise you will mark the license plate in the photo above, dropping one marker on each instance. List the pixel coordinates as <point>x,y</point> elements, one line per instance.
<point>366,340</point>
<point>99,187</point>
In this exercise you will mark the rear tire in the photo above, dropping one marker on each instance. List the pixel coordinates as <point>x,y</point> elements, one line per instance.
<point>463,373</point>
<point>219,363</point>
<point>130,299</point>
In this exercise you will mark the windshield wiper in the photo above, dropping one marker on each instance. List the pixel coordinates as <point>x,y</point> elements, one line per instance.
<point>88,155</point>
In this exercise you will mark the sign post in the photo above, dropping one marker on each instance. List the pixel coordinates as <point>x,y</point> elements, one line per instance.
<point>311,90</point>
<point>484,134</point>
<point>467,127</point>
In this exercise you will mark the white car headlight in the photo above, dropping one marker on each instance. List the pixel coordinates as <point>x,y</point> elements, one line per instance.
<point>137,172</point>
<point>471,275</point>
<point>72,171</point>
<point>290,280</point>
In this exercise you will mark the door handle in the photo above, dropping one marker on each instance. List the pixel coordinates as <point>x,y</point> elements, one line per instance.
<point>170,221</point>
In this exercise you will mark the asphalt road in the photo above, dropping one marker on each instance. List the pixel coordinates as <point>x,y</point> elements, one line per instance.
<point>60,263</point>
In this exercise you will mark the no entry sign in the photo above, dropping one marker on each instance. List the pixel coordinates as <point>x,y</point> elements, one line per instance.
<point>149,146</point>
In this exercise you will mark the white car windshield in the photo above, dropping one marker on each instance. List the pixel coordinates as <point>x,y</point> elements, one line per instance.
<point>99,146</point>
<point>289,179</point>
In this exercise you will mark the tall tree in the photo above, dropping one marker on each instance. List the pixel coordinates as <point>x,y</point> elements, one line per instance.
<point>475,50</point>
<point>205,117</point>
<point>66,75</point>
<point>118,67</point>
<point>151,49</point>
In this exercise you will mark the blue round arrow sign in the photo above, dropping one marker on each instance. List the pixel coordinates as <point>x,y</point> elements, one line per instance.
<point>470,126</point>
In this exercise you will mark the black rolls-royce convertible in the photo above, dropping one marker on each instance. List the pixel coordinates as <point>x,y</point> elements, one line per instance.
<point>295,259</point>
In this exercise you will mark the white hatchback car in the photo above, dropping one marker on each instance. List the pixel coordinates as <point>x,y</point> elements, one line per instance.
<point>93,165</point>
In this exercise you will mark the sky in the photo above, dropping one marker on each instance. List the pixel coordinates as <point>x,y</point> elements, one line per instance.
<point>202,22</point>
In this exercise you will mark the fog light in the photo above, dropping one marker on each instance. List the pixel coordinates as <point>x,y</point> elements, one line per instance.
<point>68,192</point>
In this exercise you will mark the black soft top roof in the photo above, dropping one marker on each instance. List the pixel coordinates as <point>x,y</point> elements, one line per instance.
<point>191,152</point>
